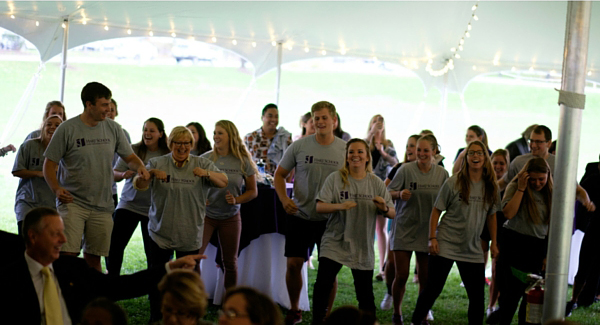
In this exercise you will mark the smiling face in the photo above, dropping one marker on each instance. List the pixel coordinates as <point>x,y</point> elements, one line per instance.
<point>309,126</point>
<point>235,311</point>
<point>112,113</point>
<point>356,156</point>
<point>411,149</point>
<point>475,157</point>
<point>425,152</point>
<point>151,134</point>
<point>221,138</point>
<point>500,166</point>
<point>270,120</point>
<point>538,145</point>
<point>50,126</point>
<point>181,147</point>
<point>323,122</point>
<point>44,245</point>
<point>472,136</point>
<point>537,180</point>
<point>99,110</point>
<point>194,133</point>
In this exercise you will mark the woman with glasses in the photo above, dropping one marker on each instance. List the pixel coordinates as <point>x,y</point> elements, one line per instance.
<point>246,306</point>
<point>469,198</point>
<point>184,300</point>
<point>414,188</point>
<point>223,210</point>
<point>134,205</point>
<point>474,132</point>
<point>179,184</point>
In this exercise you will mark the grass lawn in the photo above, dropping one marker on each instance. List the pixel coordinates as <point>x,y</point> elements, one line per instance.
<point>180,94</point>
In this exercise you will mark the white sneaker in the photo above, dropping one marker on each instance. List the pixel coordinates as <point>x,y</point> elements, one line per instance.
<point>430,315</point>
<point>489,311</point>
<point>386,303</point>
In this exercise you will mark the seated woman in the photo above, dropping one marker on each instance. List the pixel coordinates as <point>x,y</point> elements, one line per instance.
<point>179,186</point>
<point>184,300</point>
<point>246,306</point>
<point>352,198</point>
<point>33,191</point>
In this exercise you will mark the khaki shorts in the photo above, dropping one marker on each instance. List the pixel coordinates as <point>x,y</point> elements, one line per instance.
<point>88,227</point>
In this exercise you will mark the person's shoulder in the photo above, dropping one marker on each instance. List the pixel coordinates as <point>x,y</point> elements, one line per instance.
<point>339,143</point>
<point>253,133</point>
<point>206,154</point>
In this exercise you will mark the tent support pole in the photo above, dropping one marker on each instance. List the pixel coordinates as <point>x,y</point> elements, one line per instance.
<point>278,80</point>
<point>63,63</point>
<point>569,133</point>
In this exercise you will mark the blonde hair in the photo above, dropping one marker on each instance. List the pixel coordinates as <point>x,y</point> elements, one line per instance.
<point>321,105</point>
<point>502,153</point>
<point>236,146</point>
<point>384,140</point>
<point>180,132</point>
<point>187,291</point>
<point>42,136</point>
<point>490,188</point>
<point>345,171</point>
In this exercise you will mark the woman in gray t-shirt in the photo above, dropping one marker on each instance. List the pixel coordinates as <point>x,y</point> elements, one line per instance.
<point>33,191</point>
<point>352,198</point>
<point>526,204</point>
<point>468,198</point>
<point>415,188</point>
<point>223,210</point>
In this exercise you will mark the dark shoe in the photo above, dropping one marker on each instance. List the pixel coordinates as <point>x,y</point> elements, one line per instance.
<point>379,276</point>
<point>494,317</point>
<point>397,319</point>
<point>293,317</point>
<point>570,306</point>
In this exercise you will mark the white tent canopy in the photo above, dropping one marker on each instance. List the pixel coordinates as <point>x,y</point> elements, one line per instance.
<point>522,35</point>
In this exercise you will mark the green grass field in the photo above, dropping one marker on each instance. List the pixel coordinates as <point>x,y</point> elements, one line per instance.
<point>180,94</point>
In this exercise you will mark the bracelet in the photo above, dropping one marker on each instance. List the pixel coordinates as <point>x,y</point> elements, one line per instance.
<point>208,173</point>
<point>430,238</point>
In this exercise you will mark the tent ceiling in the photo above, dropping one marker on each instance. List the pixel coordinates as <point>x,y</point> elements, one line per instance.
<point>519,34</point>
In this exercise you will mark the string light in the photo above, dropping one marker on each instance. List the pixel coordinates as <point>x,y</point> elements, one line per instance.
<point>151,33</point>
<point>213,39</point>
<point>234,42</point>
<point>289,47</point>
<point>343,51</point>
<point>474,7</point>
<point>589,73</point>
<point>513,69</point>
<point>323,52</point>
<point>474,67</point>
<point>456,55</point>
<point>462,41</point>
<point>84,22</point>
<point>469,27</point>
<point>64,25</point>
<point>129,32</point>
<point>453,49</point>
<point>460,47</point>
<point>173,34</point>
<point>105,27</point>
<point>253,44</point>
<point>467,34</point>
<point>12,16</point>
<point>37,23</point>
<point>274,43</point>
<point>530,69</point>
<point>306,49</point>
<point>475,17</point>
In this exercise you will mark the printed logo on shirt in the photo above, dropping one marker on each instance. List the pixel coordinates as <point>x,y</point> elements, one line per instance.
<point>413,186</point>
<point>35,161</point>
<point>230,171</point>
<point>345,195</point>
<point>320,161</point>
<point>91,142</point>
<point>175,180</point>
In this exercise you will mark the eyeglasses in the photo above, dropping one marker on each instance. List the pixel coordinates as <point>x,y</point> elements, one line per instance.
<point>538,141</point>
<point>231,314</point>
<point>475,153</point>
<point>179,144</point>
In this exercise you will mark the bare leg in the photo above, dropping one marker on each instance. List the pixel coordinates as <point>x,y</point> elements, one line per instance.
<point>402,266</point>
<point>494,292</point>
<point>293,280</point>
<point>422,264</point>
<point>390,271</point>
<point>382,238</point>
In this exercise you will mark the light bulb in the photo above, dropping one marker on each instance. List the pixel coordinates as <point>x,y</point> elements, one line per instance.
<point>513,69</point>
<point>469,27</point>
<point>151,33</point>
<point>462,41</point>
<point>589,73</point>
<point>474,7</point>
<point>324,52</point>
<point>460,47</point>
<point>37,23</point>
<point>274,43</point>
<point>12,16</point>
<point>474,67</point>
<point>253,44</point>
<point>457,56</point>
<point>475,17</point>
<point>306,49</point>
<point>467,34</point>
<point>84,22</point>
<point>106,27</point>
<point>234,42</point>
<point>173,34</point>
<point>453,49</point>
<point>213,39</point>
<point>129,32</point>
<point>64,25</point>
<point>530,68</point>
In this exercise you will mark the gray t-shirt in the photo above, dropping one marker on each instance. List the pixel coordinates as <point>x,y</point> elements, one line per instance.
<point>115,159</point>
<point>33,135</point>
<point>217,207</point>
<point>132,199</point>
<point>32,192</point>
<point>350,234</point>
<point>313,163</point>
<point>521,222</point>
<point>410,229</point>
<point>84,155</point>
<point>518,163</point>
<point>178,204</point>
<point>459,230</point>
<point>383,167</point>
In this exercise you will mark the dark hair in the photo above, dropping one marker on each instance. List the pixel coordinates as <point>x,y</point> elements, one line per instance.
<point>203,145</point>
<point>141,149</point>
<point>463,180</point>
<point>552,148</point>
<point>414,136</point>
<point>537,165</point>
<point>94,90</point>
<point>542,129</point>
<point>112,100</point>
<point>480,132</point>
<point>303,119</point>
<point>117,314</point>
<point>267,107</point>
<point>350,315</point>
<point>33,220</point>
<point>338,132</point>
<point>260,308</point>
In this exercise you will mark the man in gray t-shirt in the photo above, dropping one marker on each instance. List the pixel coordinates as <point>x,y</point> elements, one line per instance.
<point>82,150</point>
<point>313,158</point>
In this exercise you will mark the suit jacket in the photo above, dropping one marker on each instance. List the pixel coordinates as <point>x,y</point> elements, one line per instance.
<point>517,148</point>
<point>79,284</point>
<point>12,247</point>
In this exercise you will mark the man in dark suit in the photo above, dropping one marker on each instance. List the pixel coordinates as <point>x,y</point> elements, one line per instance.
<point>23,298</point>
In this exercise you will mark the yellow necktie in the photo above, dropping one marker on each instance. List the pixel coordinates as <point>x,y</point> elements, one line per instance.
<point>51,301</point>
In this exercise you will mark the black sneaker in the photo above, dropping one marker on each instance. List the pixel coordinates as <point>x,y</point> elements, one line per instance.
<point>570,306</point>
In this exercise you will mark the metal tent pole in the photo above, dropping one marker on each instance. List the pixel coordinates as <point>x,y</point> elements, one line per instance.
<point>278,81</point>
<point>63,64</point>
<point>563,198</point>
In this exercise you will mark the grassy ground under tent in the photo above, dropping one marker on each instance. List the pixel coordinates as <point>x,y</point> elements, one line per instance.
<point>182,93</point>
